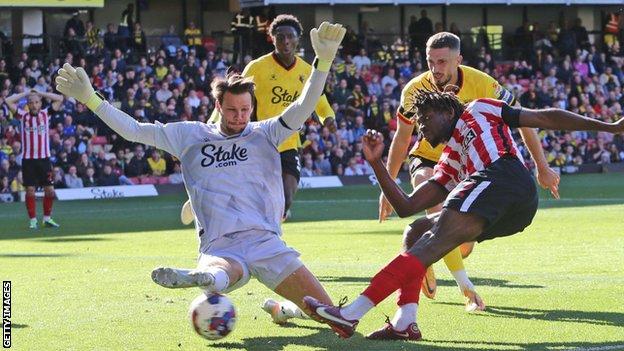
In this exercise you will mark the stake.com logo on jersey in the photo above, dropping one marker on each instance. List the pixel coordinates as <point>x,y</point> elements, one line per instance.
<point>221,157</point>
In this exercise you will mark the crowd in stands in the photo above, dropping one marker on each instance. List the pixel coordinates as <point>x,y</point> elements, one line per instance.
<point>172,83</point>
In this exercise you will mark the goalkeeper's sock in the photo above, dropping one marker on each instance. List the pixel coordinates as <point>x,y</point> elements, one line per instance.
<point>221,279</point>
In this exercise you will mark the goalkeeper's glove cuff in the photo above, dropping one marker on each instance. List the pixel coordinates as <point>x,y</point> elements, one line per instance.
<point>322,65</point>
<point>94,101</point>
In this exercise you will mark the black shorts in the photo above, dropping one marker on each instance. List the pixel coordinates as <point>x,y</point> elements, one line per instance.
<point>37,172</point>
<point>504,194</point>
<point>290,163</point>
<point>417,162</point>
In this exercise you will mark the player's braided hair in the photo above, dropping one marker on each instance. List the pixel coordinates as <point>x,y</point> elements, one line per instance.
<point>426,99</point>
<point>285,20</point>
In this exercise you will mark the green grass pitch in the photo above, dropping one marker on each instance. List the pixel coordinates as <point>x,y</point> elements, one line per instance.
<point>558,285</point>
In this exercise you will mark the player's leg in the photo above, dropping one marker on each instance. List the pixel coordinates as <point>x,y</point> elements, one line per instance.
<point>30,182</point>
<point>466,248</point>
<point>421,170</point>
<point>291,171</point>
<point>31,206</point>
<point>403,325</point>
<point>452,228</point>
<point>295,287</point>
<point>213,273</point>
<point>48,200</point>
<point>46,179</point>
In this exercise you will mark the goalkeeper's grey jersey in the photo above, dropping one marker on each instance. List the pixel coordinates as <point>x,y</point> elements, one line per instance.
<point>234,183</point>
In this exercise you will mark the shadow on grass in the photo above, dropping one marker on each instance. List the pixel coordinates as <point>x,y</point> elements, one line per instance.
<point>604,318</point>
<point>490,345</point>
<point>71,240</point>
<point>325,339</point>
<point>497,283</point>
<point>20,326</point>
<point>33,255</point>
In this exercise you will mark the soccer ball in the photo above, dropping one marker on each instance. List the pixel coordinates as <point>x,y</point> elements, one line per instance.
<point>212,315</point>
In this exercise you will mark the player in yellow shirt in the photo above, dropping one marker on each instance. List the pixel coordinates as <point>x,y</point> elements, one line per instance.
<point>279,77</point>
<point>443,59</point>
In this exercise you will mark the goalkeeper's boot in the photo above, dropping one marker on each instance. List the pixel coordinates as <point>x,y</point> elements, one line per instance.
<point>50,223</point>
<point>174,278</point>
<point>331,316</point>
<point>429,284</point>
<point>387,332</point>
<point>276,311</point>
<point>474,302</point>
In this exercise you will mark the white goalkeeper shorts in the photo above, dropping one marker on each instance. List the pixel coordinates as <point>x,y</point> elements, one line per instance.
<point>262,254</point>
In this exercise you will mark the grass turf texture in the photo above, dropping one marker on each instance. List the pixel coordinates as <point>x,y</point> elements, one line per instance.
<point>87,286</point>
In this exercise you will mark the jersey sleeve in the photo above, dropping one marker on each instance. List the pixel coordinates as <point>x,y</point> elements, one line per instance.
<point>324,110</point>
<point>404,113</point>
<point>511,115</point>
<point>172,137</point>
<point>276,130</point>
<point>496,91</point>
<point>442,175</point>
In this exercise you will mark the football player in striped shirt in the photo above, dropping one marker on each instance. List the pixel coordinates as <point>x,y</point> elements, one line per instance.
<point>487,191</point>
<point>35,138</point>
<point>443,59</point>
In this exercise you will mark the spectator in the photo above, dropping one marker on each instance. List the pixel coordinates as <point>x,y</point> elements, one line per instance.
<point>353,168</point>
<point>307,170</point>
<point>138,167</point>
<point>322,165</point>
<point>72,180</point>
<point>108,178</point>
<point>192,35</point>
<point>17,185</point>
<point>89,179</point>
<point>361,60</point>
<point>172,42</point>
<point>389,79</point>
<point>156,164</point>
<point>139,41</point>
<point>75,24</point>
<point>176,177</point>
<point>110,38</point>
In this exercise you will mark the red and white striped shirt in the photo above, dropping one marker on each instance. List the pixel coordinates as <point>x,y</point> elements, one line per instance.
<point>35,134</point>
<point>480,137</point>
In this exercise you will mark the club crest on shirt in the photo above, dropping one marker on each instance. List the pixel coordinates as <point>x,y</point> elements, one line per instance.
<point>273,76</point>
<point>219,157</point>
<point>470,136</point>
<point>302,78</point>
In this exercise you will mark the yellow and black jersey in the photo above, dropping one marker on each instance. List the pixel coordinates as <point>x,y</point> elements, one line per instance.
<point>277,86</point>
<point>473,84</point>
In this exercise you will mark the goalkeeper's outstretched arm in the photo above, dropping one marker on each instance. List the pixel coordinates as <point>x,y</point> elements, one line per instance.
<point>75,83</point>
<point>325,41</point>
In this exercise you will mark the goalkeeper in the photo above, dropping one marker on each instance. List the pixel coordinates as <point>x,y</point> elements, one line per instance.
<point>232,175</point>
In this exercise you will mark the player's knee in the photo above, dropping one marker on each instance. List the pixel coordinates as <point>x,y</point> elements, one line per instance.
<point>415,230</point>
<point>466,249</point>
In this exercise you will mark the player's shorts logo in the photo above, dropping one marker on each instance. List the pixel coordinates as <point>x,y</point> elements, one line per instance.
<point>223,157</point>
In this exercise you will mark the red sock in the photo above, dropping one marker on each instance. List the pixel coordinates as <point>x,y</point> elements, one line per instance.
<point>47,205</point>
<point>402,271</point>
<point>31,206</point>
<point>409,293</point>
